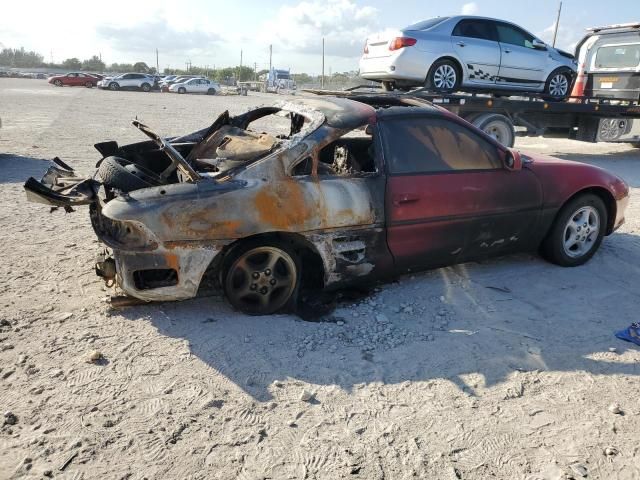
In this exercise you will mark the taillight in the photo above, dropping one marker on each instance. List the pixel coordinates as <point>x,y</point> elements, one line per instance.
<point>366,47</point>
<point>401,42</point>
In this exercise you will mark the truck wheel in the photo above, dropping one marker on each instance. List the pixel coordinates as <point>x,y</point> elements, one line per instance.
<point>261,278</point>
<point>577,232</point>
<point>558,84</point>
<point>444,76</point>
<point>497,126</point>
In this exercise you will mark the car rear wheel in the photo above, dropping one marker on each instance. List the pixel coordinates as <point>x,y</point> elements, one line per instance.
<point>444,76</point>
<point>558,84</point>
<point>388,86</point>
<point>182,90</point>
<point>114,86</point>
<point>57,83</point>
<point>262,278</point>
<point>88,85</point>
<point>145,87</point>
<point>211,91</point>
<point>577,232</point>
<point>497,126</point>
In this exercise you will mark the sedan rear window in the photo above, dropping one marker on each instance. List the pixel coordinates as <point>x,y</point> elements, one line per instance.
<point>618,56</point>
<point>427,24</point>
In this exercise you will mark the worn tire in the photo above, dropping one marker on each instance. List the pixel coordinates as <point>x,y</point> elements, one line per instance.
<point>552,247</point>
<point>118,173</point>
<point>497,126</point>
<point>431,81</point>
<point>241,251</point>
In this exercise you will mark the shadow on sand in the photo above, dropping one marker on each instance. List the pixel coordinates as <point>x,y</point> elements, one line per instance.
<point>16,168</point>
<point>547,318</point>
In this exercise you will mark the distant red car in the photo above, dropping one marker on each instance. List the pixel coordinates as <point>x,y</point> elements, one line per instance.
<point>74,79</point>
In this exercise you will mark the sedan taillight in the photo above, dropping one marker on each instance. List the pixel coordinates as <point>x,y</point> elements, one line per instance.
<point>401,42</point>
<point>366,47</point>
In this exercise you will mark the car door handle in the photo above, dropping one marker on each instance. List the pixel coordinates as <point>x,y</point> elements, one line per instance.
<point>402,198</point>
<point>462,44</point>
<point>507,51</point>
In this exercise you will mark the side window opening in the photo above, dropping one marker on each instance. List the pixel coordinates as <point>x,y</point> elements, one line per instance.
<point>436,145</point>
<point>351,155</point>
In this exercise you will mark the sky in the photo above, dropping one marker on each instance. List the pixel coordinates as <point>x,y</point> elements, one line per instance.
<point>215,32</point>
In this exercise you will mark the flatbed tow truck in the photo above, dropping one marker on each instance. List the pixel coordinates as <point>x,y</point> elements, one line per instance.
<point>587,119</point>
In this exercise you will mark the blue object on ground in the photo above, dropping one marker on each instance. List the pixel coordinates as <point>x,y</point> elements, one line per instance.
<point>631,334</point>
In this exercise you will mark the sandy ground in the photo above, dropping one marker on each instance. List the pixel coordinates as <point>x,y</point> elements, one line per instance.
<point>504,369</point>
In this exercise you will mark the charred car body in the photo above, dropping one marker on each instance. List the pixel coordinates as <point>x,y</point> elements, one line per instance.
<point>354,190</point>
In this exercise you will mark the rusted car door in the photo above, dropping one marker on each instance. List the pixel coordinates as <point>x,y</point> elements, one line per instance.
<point>449,196</point>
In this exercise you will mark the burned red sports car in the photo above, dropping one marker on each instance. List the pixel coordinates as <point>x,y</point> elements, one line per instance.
<point>354,190</point>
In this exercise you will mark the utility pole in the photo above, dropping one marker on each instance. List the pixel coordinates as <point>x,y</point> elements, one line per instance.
<point>255,71</point>
<point>322,78</point>
<point>270,57</point>
<point>157,63</point>
<point>240,72</point>
<point>555,31</point>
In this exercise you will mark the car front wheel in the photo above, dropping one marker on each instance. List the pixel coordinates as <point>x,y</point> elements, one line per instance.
<point>261,279</point>
<point>577,231</point>
<point>114,86</point>
<point>558,84</point>
<point>57,83</point>
<point>182,90</point>
<point>146,87</point>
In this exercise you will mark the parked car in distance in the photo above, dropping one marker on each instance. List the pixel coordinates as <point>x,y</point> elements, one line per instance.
<point>196,85</point>
<point>164,86</point>
<point>360,189</point>
<point>129,81</point>
<point>74,79</point>
<point>446,54</point>
<point>609,60</point>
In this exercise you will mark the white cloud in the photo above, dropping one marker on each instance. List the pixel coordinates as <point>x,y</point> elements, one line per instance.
<point>569,34</point>
<point>470,8</point>
<point>300,28</point>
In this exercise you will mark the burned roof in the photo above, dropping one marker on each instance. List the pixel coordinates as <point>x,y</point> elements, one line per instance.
<point>352,109</point>
<point>341,113</point>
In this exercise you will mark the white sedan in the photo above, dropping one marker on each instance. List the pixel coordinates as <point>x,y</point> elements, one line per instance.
<point>196,85</point>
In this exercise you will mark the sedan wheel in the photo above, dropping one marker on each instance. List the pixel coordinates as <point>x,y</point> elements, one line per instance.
<point>262,280</point>
<point>558,85</point>
<point>57,83</point>
<point>581,232</point>
<point>443,76</point>
<point>114,86</point>
<point>577,232</point>
<point>182,90</point>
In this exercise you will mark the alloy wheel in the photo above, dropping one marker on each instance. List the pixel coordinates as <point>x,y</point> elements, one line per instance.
<point>262,280</point>
<point>445,77</point>
<point>559,85</point>
<point>581,232</point>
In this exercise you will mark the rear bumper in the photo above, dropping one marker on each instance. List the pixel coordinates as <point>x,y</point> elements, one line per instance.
<point>408,64</point>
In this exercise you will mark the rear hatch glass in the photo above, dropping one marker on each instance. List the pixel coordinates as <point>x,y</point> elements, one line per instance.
<point>618,56</point>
